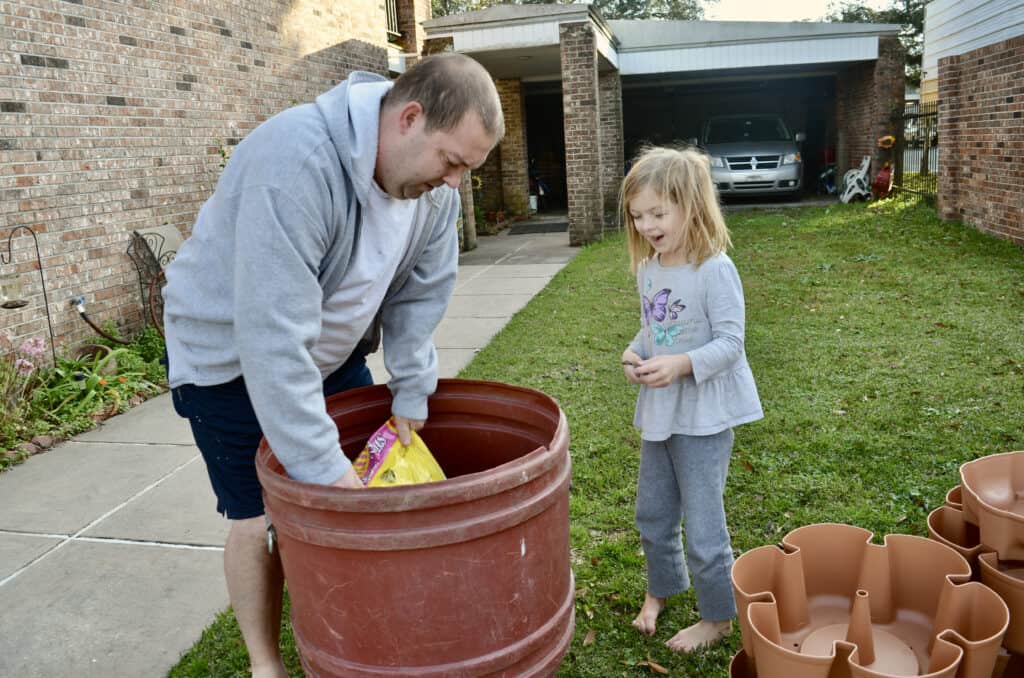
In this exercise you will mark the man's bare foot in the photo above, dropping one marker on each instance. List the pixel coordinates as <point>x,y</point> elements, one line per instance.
<point>646,621</point>
<point>699,635</point>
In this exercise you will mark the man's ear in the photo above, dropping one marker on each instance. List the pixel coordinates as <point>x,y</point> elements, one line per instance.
<point>409,115</point>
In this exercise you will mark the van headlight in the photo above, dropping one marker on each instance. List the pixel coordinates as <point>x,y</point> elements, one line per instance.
<point>791,158</point>
<point>717,161</point>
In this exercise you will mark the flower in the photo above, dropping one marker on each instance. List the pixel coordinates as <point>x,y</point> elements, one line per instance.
<point>122,379</point>
<point>103,382</point>
<point>24,366</point>
<point>34,346</point>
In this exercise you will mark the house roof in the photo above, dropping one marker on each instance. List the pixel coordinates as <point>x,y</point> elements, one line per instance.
<point>507,13</point>
<point>648,34</point>
<point>522,41</point>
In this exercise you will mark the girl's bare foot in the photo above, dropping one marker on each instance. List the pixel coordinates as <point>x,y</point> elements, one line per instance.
<point>699,635</point>
<point>646,621</point>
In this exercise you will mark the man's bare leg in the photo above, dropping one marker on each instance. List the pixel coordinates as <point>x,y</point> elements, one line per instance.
<point>701,634</point>
<point>256,586</point>
<point>646,620</point>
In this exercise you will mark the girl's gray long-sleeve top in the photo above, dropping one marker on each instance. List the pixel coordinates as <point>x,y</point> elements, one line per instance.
<point>699,311</point>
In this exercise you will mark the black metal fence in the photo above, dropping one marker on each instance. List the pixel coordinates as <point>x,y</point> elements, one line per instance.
<point>916,153</point>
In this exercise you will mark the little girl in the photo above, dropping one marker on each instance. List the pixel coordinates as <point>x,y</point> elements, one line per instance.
<point>695,384</point>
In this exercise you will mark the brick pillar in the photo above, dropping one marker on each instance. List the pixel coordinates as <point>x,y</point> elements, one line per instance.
<point>468,212</point>
<point>612,160</point>
<point>515,182</point>
<point>411,15</point>
<point>582,132</point>
<point>888,87</point>
<point>951,136</point>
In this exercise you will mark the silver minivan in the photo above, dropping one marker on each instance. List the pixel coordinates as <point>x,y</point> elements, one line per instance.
<point>753,154</point>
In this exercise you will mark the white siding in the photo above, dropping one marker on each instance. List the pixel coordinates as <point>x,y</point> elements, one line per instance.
<point>777,53</point>
<point>954,27</point>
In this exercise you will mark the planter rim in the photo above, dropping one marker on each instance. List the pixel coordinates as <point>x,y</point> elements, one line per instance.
<point>968,492</point>
<point>457,490</point>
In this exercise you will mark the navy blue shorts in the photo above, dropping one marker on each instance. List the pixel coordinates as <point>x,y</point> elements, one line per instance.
<point>227,432</point>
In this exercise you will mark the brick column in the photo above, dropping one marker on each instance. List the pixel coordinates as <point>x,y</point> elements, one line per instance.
<point>612,152</point>
<point>515,183</point>
<point>582,132</point>
<point>411,15</point>
<point>468,212</point>
<point>950,132</point>
<point>888,87</point>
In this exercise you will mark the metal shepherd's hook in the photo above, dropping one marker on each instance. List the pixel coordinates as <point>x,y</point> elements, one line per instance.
<point>39,260</point>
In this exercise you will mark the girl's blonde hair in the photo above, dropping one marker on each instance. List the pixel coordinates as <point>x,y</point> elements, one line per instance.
<point>683,177</point>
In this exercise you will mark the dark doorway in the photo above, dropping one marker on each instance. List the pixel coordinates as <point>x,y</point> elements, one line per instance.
<point>545,145</point>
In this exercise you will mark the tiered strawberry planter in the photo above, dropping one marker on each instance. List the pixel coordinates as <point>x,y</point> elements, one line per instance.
<point>983,520</point>
<point>828,603</point>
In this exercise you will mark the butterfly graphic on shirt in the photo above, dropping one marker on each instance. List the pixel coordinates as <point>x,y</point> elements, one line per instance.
<point>666,336</point>
<point>659,307</point>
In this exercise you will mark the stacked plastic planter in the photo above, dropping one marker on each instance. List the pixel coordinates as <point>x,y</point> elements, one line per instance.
<point>983,520</point>
<point>828,603</point>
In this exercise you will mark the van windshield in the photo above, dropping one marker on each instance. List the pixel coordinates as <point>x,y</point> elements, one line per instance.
<point>729,130</point>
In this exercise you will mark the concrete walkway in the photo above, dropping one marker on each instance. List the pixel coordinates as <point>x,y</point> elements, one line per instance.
<point>110,545</point>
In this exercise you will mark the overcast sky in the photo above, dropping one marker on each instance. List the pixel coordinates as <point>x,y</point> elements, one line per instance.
<point>777,10</point>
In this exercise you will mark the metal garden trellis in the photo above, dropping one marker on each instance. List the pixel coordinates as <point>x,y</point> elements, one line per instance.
<point>18,302</point>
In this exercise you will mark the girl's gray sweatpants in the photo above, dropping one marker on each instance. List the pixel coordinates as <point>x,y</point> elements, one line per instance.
<point>683,478</point>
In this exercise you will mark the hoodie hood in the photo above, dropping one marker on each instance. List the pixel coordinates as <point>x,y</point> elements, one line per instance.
<point>351,112</point>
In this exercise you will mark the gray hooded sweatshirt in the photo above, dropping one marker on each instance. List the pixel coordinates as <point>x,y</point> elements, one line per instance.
<point>245,293</point>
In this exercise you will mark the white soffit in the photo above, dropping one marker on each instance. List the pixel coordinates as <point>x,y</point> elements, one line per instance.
<point>760,54</point>
<point>518,36</point>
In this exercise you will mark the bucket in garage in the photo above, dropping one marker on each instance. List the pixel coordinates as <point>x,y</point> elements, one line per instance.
<point>465,577</point>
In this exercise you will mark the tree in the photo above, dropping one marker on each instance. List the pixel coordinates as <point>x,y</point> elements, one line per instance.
<point>609,9</point>
<point>908,13</point>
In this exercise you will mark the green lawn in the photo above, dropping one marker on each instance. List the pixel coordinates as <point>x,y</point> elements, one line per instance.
<point>888,350</point>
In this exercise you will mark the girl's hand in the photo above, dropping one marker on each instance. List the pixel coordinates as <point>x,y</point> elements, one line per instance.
<point>662,370</point>
<point>629,362</point>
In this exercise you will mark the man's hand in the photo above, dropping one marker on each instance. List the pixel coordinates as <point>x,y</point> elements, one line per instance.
<point>405,425</point>
<point>349,480</point>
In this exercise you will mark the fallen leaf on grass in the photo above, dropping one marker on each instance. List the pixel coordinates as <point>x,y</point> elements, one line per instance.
<point>652,665</point>
<point>591,637</point>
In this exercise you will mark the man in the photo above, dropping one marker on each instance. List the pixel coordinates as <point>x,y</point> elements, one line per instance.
<point>332,222</point>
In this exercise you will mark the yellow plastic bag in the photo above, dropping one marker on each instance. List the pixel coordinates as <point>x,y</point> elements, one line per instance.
<point>385,461</point>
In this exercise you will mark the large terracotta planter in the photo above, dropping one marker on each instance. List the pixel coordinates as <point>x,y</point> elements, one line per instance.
<point>993,497</point>
<point>830,603</point>
<point>465,577</point>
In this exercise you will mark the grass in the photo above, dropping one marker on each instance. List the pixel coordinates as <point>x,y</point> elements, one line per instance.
<point>887,349</point>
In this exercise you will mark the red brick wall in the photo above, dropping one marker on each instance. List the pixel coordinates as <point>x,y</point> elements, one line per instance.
<point>582,132</point>
<point>981,139</point>
<point>112,116</point>
<point>514,180</point>
<point>488,194</point>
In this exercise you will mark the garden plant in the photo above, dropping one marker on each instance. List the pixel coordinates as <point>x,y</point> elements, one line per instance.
<point>46,402</point>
